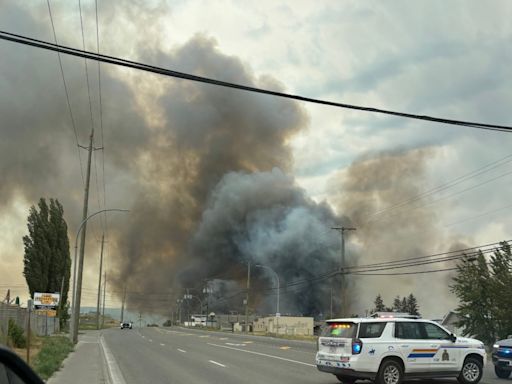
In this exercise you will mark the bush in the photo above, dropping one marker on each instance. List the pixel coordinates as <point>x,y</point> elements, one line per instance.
<point>16,335</point>
<point>53,351</point>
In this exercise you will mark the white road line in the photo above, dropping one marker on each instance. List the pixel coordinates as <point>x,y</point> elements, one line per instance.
<point>163,345</point>
<point>150,340</point>
<point>219,364</point>
<point>181,350</point>
<point>263,354</point>
<point>116,377</point>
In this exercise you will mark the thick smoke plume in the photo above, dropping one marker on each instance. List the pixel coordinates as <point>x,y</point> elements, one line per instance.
<point>205,172</point>
<point>364,192</point>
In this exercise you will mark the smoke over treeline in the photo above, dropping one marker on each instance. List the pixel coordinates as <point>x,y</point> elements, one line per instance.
<point>206,172</point>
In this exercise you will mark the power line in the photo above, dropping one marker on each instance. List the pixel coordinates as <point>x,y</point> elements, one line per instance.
<point>478,216</point>
<point>484,169</point>
<point>73,125</point>
<point>85,63</point>
<point>186,76</point>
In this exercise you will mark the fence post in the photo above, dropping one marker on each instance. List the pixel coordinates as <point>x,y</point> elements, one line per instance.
<point>29,305</point>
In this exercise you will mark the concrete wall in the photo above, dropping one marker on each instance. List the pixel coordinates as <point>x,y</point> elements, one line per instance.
<point>285,325</point>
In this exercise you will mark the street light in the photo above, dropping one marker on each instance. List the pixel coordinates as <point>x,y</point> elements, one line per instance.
<point>74,317</point>
<point>277,278</point>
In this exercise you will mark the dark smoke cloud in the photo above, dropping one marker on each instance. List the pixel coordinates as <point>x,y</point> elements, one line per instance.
<point>264,218</point>
<point>379,181</point>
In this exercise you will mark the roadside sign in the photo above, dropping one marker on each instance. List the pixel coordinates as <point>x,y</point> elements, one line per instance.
<point>47,312</point>
<point>46,300</point>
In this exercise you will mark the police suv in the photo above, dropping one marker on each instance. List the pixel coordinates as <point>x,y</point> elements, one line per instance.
<point>386,349</point>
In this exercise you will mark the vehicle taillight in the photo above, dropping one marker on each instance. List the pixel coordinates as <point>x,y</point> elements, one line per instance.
<point>357,346</point>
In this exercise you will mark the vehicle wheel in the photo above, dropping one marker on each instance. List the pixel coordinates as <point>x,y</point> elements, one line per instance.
<point>501,373</point>
<point>345,379</point>
<point>390,372</point>
<point>471,372</point>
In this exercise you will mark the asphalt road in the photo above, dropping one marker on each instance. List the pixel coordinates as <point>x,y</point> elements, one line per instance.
<point>178,355</point>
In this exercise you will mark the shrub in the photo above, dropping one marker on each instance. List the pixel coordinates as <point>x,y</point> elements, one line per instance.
<point>16,335</point>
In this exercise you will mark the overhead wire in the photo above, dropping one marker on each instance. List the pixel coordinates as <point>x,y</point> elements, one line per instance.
<point>72,118</point>
<point>477,172</point>
<point>186,76</point>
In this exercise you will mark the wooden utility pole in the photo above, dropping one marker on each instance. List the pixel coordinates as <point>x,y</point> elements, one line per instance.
<point>78,292</point>
<point>104,293</point>
<point>122,304</point>
<point>99,284</point>
<point>247,297</point>
<point>343,293</point>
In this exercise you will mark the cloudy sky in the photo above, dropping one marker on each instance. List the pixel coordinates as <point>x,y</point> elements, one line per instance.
<point>450,60</point>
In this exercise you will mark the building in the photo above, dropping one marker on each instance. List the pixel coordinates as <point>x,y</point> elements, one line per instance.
<point>450,322</point>
<point>284,325</point>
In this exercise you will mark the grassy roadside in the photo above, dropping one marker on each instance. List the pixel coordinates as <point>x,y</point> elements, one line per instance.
<point>54,349</point>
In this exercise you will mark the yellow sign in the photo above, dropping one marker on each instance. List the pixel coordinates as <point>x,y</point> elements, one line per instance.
<point>47,312</point>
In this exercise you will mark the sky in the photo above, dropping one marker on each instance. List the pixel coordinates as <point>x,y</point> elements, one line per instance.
<point>434,58</point>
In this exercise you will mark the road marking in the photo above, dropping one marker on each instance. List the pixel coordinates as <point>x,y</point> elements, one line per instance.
<point>116,377</point>
<point>181,350</point>
<point>163,345</point>
<point>247,342</point>
<point>205,336</point>
<point>263,354</point>
<point>219,364</point>
<point>150,340</point>
<point>235,345</point>
<point>285,347</point>
<point>223,338</point>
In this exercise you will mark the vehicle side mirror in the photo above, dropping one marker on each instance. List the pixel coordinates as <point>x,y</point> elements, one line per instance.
<point>13,370</point>
<point>453,338</point>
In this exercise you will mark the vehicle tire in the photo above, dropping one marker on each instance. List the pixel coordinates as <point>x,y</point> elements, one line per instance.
<point>345,379</point>
<point>501,373</point>
<point>390,372</point>
<point>472,371</point>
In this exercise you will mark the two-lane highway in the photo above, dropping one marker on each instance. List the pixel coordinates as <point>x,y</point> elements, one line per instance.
<point>179,355</point>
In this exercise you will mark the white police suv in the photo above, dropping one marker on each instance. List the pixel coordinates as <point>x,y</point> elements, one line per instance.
<point>387,349</point>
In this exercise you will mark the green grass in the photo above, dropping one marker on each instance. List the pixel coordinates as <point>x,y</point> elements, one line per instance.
<point>54,350</point>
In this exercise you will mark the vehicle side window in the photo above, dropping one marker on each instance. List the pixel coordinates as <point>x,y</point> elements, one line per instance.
<point>406,330</point>
<point>371,330</point>
<point>434,332</point>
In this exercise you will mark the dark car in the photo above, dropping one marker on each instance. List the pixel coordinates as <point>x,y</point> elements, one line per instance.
<point>502,358</point>
<point>126,325</point>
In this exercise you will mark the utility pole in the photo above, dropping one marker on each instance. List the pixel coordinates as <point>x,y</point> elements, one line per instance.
<point>247,297</point>
<point>104,293</point>
<point>99,284</point>
<point>344,306</point>
<point>78,292</point>
<point>122,304</point>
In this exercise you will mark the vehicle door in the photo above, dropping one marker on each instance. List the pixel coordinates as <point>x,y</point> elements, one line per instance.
<point>416,350</point>
<point>335,344</point>
<point>448,352</point>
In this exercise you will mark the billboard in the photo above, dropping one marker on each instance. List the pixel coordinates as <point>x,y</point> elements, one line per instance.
<point>46,300</point>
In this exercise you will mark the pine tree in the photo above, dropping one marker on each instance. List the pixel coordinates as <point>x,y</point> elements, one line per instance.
<point>47,263</point>
<point>473,287</point>
<point>412,305</point>
<point>500,266</point>
<point>379,304</point>
<point>403,305</point>
<point>397,304</point>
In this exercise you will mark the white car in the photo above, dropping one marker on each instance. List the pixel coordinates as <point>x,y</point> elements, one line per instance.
<point>388,350</point>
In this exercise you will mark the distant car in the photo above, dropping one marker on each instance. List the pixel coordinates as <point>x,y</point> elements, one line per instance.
<point>502,358</point>
<point>126,325</point>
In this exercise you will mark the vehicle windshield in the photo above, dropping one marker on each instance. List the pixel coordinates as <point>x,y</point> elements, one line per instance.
<point>343,330</point>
